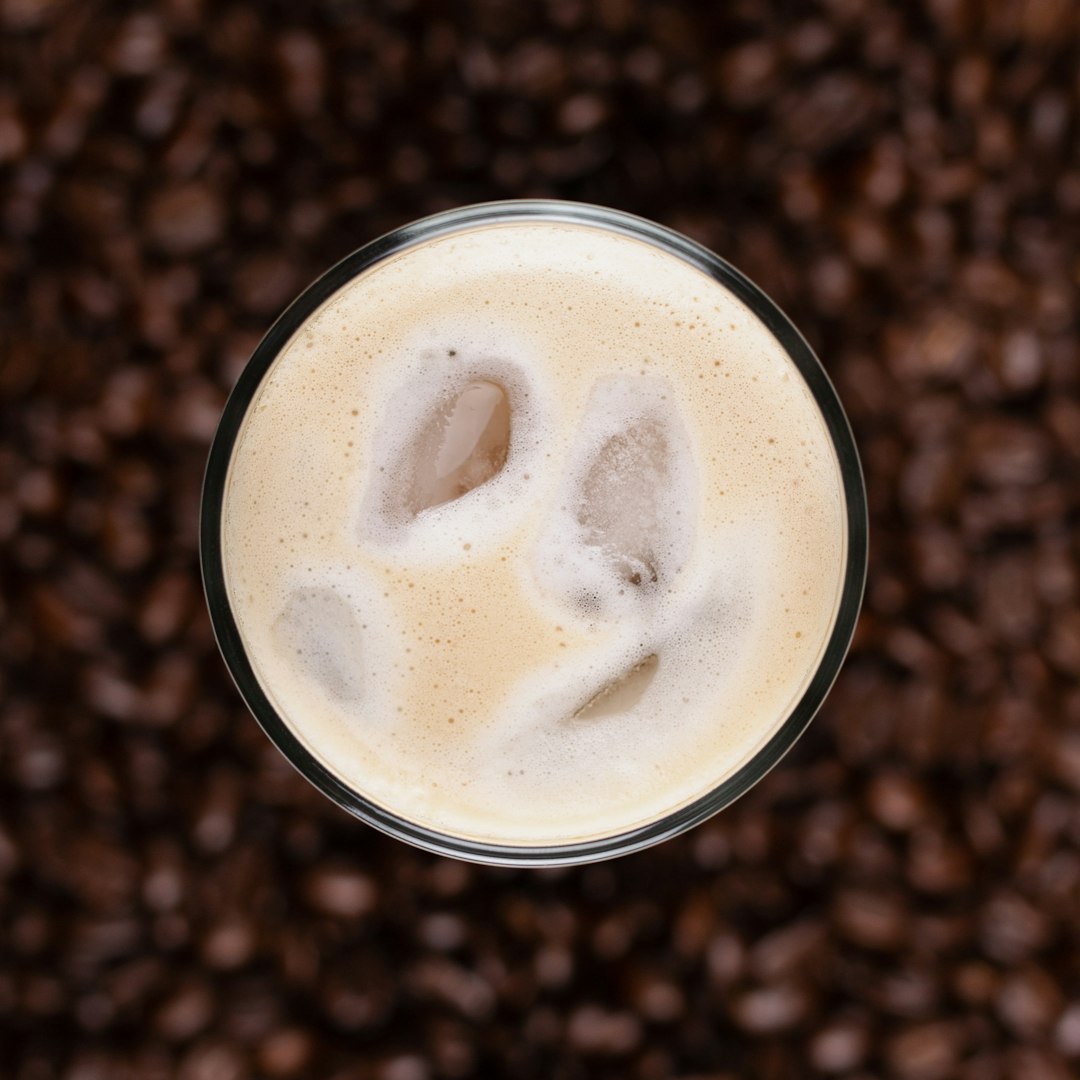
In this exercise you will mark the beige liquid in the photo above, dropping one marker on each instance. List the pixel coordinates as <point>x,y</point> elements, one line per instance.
<point>491,666</point>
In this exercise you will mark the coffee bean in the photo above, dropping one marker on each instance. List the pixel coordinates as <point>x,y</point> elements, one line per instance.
<point>186,1013</point>
<point>770,1010</point>
<point>928,1050</point>
<point>286,1053</point>
<point>874,920</point>
<point>213,1061</point>
<point>840,1047</point>
<point>340,892</point>
<point>594,1031</point>
<point>1029,1002</point>
<point>185,219</point>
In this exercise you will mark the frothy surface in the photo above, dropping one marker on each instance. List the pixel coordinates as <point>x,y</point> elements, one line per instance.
<point>619,615</point>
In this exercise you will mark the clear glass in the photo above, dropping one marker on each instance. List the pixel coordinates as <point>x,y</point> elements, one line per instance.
<point>685,817</point>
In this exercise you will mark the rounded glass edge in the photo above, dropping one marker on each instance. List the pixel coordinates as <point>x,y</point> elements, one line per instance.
<point>228,636</point>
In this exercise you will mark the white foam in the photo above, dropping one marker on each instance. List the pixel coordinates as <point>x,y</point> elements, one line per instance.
<point>435,366</point>
<point>623,520</point>
<point>702,635</point>
<point>669,491</point>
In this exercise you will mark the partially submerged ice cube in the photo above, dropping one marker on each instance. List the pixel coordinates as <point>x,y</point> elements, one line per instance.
<point>623,522</point>
<point>319,636</point>
<point>621,694</point>
<point>622,506</point>
<point>463,445</point>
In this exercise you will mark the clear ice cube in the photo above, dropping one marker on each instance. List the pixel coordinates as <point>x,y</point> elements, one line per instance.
<point>463,445</point>
<point>622,501</point>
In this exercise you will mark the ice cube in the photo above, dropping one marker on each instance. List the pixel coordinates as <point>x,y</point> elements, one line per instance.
<point>319,635</point>
<point>463,445</point>
<point>623,693</point>
<point>622,500</point>
<point>623,522</point>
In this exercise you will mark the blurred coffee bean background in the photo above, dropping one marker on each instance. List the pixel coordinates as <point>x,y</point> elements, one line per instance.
<point>899,899</point>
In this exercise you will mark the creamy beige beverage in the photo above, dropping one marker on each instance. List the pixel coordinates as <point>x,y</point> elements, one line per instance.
<point>533,533</point>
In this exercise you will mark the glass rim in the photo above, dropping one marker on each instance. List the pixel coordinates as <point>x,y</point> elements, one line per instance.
<point>676,821</point>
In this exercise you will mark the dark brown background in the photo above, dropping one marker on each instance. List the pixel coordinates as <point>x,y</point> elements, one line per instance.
<point>899,899</point>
